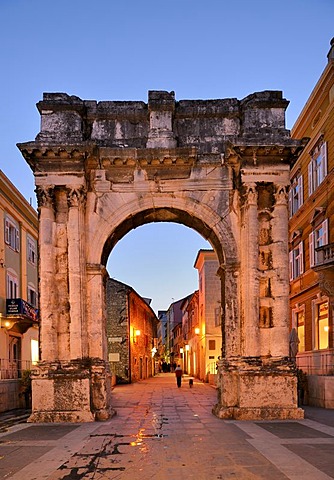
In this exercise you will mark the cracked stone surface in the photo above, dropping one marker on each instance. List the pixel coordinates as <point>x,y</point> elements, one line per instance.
<point>163,432</point>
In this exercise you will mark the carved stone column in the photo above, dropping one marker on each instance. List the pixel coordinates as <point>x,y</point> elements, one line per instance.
<point>260,382</point>
<point>249,251</point>
<point>279,333</point>
<point>76,272</point>
<point>48,328</point>
<point>72,383</point>
<point>97,347</point>
<point>231,333</point>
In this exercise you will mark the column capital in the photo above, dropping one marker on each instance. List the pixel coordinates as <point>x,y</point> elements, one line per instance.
<point>45,195</point>
<point>281,194</point>
<point>251,194</point>
<point>76,196</point>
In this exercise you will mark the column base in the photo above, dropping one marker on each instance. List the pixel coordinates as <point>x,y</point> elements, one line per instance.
<point>236,413</point>
<point>257,389</point>
<point>60,417</point>
<point>73,391</point>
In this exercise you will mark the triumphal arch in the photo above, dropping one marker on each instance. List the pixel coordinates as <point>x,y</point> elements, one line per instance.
<point>220,167</point>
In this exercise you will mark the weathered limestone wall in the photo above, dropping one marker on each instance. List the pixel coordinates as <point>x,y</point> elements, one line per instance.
<point>218,166</point>
<point>118,329</point>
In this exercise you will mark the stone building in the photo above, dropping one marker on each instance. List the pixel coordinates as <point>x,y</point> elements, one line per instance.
<point>132,333</point>
<point>210,314</point>
<point>202,321</point>
<point>174,319</point>
<point>191,331</point>
<point>162,336</point>
<point>18,292</point>
<point>311,240</point>
<point>178,342</point>
<point>220,167</point>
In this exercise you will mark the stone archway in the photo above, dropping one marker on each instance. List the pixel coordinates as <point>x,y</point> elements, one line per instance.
<point>220,167</point>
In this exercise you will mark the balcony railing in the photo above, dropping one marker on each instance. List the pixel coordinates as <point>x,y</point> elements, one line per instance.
<point>12,369</point>
<point>324,256</point>
<point>316,363</point>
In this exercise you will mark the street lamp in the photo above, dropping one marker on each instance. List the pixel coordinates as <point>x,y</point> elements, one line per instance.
<point>136,334</point>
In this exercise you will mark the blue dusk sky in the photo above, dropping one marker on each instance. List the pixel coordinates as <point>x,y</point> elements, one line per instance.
<point>118,50</point>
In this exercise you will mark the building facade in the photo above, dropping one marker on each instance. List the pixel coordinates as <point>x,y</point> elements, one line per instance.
<point>174,319</point>
<point>162,336</point>
<point>311,240</point>
<point>209,310</point>
<point>190,335</point>
<point>132,333</point>
<point>18,292</point>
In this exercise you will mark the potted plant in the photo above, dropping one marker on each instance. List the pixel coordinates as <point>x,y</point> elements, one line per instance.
<point>25,387</point>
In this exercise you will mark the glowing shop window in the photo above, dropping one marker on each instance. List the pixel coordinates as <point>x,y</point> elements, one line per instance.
<point>34,352</point>
<point>301,331</point>
<point>323,326</point>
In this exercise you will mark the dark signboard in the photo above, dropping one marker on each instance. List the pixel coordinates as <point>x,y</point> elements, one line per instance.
<point>17,306</point>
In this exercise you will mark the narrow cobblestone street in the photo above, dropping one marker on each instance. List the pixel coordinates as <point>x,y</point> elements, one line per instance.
<point>163,432</point>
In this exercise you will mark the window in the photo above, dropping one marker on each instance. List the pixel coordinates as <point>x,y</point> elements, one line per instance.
<point>12,285</point>
<point>300,323</point>
<point>218,317</point>
<point>212,344</point>
<point>32,257</point>
<point>14,349</point>
<point>32,296</point>
<point>318,238</point>
<point>317,168</point>
<point>34,352</point>
<point>321,329</point>
<point>12,234</point>
<point>296,261</point>
<point>296,194</point>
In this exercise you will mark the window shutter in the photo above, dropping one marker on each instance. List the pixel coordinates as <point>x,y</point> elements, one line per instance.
<point>301,192</point>
<point>291,212</point>
<point>311,249</point>
<point>291,265</point>
<point>7,232</point>
<point>325,228</point>
<point>310,178</point>
<point>301,257</point>
<point>323,153</point>
<point>17,240</point>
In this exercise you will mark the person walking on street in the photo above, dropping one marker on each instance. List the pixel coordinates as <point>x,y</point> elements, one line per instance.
<point>178,375</point>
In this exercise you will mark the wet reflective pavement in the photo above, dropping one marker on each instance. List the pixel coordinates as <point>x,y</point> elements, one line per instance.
<point>163,432</point>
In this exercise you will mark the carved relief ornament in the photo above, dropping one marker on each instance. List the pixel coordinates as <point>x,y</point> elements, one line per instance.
<point>76,196</point>
<point>251,194</point>
<point>281,195</point>
<point>45,195</point>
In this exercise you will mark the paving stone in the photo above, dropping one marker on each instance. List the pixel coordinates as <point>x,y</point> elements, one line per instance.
<point>179,439</point>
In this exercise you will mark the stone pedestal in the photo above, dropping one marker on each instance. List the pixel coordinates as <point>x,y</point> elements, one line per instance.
<point>254,388</point>
<point>73,391</point>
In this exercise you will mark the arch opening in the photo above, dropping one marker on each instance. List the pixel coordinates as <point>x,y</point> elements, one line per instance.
<point>162,215</point>
<point>186,305</point>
